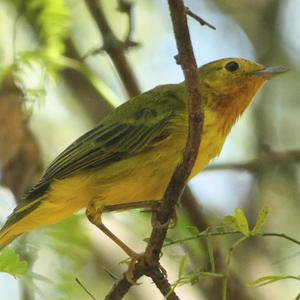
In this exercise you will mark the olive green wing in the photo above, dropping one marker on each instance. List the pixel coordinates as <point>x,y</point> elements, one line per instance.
<point>129,130</point>
<point>132,128</point>
<point>106,145</point>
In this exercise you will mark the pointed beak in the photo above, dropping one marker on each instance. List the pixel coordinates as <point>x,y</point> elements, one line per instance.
<point>269,72</point>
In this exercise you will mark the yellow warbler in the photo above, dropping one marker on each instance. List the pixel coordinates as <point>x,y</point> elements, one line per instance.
<point>128,159</point>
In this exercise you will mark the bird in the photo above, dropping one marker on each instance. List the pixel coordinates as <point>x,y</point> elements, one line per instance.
<point>127,160</point>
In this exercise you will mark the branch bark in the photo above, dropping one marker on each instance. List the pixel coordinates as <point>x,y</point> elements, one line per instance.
<point>178,181</point>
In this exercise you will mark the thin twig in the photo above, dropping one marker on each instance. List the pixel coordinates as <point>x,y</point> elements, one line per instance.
<point>111,275</point>
<point>198,19</point>
<point>85,289</point>
<point>228,266</point>
<point>271,158</point>
<point>207,233</point>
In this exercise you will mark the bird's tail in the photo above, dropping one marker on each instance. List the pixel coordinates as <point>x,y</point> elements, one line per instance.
<point>35,214</point>
<point>6,237</point>
<point>17,223</point>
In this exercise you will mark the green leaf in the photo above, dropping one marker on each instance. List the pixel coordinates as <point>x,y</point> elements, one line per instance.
<point>241,221</point>
<point>125,261</point>
<point>270,279</point>
<point>10,263</point>
<point>261,219</point>
<point>146,240</point>
<point>238,222</point>
<point>231,222</point>
<point>193,230</point>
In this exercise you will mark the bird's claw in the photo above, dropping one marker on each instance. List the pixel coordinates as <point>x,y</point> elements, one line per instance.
<point>163,270</point>
<point>134,259</point>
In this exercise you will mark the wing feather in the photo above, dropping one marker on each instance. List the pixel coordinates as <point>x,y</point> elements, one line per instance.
<point>130,129</point>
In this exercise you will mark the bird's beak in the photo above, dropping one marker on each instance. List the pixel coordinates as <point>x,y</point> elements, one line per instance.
<point>269,72</point>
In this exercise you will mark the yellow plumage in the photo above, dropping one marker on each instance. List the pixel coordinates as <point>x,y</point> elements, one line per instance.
<point>130,157</point>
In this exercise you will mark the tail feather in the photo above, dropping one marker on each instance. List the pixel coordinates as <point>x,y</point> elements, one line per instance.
<point>35,214</point>
<point>12,229</point>
<point>6,237</point>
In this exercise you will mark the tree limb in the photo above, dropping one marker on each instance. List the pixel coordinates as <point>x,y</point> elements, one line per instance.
<point>178,181</point>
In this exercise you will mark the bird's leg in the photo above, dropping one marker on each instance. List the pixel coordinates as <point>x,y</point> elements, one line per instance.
<point>94,216</point>
<point>119,207</point>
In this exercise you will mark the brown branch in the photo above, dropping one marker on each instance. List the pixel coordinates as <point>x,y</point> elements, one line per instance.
<point>114,48</point>
<point>270,158</point>
<point>161,282</point>
<point>178,181</point>
<point>121,287</point>
<point>181,174</point>
<point>198,19</point>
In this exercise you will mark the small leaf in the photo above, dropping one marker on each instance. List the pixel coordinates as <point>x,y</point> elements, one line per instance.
<point>241,221</point>
<point>261,219</point>
<point>125,261</point>
<point>231,221</point>
<point>195,279</point>
<point>270,279</point>
<point>146,240</point>
<point>10,263</point>
<point>193,230</point>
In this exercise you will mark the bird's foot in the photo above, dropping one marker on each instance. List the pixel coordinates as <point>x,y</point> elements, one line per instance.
<point>134,259</point>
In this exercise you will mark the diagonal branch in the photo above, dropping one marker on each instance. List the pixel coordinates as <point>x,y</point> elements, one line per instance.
<point>182,172</point>
<point>270,158</point>
<point>149,265</point>
<point>114,48</point>
<point>198,19</point>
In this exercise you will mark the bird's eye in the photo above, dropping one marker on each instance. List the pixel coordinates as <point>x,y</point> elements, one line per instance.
<point>232,66</point>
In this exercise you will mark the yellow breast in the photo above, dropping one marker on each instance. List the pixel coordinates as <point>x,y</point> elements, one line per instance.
<point>142,177</point>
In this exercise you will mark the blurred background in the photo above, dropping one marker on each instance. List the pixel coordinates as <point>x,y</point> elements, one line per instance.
<point>58,81</point>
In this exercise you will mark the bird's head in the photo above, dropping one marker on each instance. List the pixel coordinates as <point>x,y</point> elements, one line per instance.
<point>231,83</point>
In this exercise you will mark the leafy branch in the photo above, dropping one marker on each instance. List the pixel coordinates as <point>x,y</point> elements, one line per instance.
<point>239,223</point>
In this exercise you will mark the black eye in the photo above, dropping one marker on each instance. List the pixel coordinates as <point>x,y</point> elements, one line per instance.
<point>232,66</point>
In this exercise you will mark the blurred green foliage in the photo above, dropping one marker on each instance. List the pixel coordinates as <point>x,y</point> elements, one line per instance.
<point>11,263</point>
<point>47,40</point>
